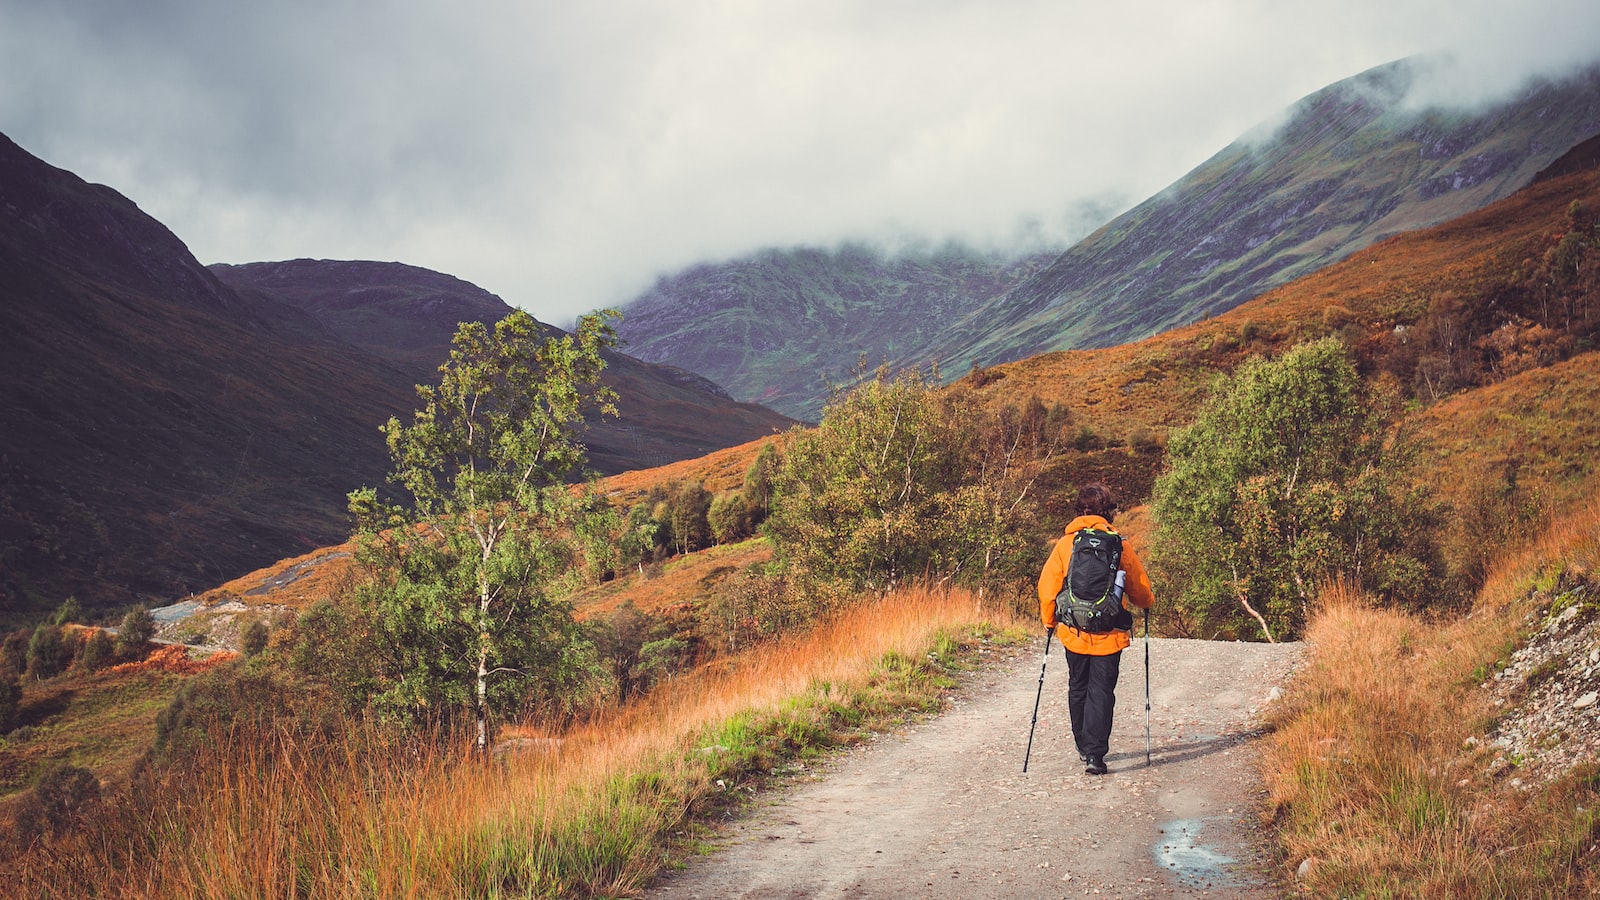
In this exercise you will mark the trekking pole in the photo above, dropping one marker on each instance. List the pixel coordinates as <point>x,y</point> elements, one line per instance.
<point>1147,685</point>
<point>1036,699</point>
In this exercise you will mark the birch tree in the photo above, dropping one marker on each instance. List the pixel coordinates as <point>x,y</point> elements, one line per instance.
<point>468,582</point>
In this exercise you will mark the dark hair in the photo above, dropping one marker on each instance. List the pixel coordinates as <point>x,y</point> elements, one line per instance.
<point>1096,500</point>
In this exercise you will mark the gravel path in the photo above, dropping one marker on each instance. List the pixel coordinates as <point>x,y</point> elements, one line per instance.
<point>943,810</point>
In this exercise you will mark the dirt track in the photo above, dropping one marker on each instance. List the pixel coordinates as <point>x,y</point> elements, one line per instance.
<point>943,809</point>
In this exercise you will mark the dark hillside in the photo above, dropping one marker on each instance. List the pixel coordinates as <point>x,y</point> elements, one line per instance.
<point>158,432</point>
<point>407,316</point>
<point>162,431</point>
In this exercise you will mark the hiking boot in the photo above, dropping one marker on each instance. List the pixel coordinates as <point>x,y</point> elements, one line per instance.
<point>1083,757</point>
<point>1095,765</point>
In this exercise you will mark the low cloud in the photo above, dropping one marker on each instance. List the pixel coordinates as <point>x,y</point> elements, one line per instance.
<point>565,155</point>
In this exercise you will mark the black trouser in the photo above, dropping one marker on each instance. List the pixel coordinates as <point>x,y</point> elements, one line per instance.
<point>1091,698</point>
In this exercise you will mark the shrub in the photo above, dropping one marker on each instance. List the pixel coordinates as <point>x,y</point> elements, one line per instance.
<point>253,638</point>
<point>10,695</point>
<point>70,612</point>
<point>98,652</point>
<point>62,796</point>
<point>14,649</point>
<point>902,480</point>
<point>48,652</point>
<point>730,517</point>
<point>1284,483</point>
<point>137,628</point>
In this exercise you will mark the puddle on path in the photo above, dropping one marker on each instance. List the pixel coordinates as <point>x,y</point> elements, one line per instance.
<point>1179,852</point>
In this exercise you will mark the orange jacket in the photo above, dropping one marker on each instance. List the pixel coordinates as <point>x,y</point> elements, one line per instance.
<point>1136,593</point>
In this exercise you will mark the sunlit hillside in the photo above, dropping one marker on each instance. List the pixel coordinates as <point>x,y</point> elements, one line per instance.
<point>1404,306</point>
<point>1386,301</point>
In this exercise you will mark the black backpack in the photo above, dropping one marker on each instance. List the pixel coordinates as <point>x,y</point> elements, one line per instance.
<point>1090,599</point>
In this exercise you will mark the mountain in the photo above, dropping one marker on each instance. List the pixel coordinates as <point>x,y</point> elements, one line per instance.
<point>1354,163</point>
<point>407,316</point>
<point>162,431</point>
<point>779,326</point>
<point>157,430</point>
<point>1350,165</point>
<point>1486,326</point>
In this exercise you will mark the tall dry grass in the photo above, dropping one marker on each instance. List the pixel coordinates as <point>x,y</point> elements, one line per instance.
<point>590,812</point>
<point>1372,775</point>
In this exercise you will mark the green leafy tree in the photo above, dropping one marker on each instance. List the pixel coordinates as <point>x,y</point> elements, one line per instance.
<point>689,510</point>
<point>859,498</point>
<point>99,651</point>
<point>729,517</point>
<point>48,652</point>
<point>757,491</point>
<point>1285,481</point>
<point>638,538</point>
<point>471,598</point>
<point>70,612</point>
<point>137,628</point>
<point>904,480</point>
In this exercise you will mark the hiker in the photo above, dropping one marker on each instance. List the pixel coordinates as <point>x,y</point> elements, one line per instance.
<point>1093,655</point>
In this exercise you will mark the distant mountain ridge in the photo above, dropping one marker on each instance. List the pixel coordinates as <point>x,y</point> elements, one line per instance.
<point>408,315</point>
<point>157,430</point>
<point>778,326</point>
<point>1352,164</point>
<point>162,431</point>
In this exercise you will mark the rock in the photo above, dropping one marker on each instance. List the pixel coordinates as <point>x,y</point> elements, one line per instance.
<point>1274,695</point>
<point>1304,871</point>
<point>1586,701</point>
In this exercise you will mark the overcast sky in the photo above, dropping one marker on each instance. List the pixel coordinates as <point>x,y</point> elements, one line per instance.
<point>565,154</point>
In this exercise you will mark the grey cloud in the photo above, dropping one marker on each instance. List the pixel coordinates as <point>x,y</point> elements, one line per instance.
<point>563,155</point>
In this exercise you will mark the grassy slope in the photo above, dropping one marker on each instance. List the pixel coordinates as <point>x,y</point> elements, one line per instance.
<point>594,811</point>
<point>1157,383</point>
<point>1542,418</point>
<point>1383,777</point>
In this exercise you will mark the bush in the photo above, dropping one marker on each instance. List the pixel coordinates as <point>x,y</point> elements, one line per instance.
<point>63,796</point>
<point>138,627</point>
<point>69,613</point>
<point>48,652</point>
<point>1285,482</point>
<point>98,652</point>
<point>253,638</point>
<point>237,694</point>
<point>14,649</point>
<point>660,660</point>
<point>730,517</point>
<point>10,696</point>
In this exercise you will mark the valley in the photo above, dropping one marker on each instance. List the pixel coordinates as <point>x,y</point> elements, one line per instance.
<point>185,436</point>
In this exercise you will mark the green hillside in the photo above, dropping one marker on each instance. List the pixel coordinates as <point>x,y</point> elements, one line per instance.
<point>778,327</point>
